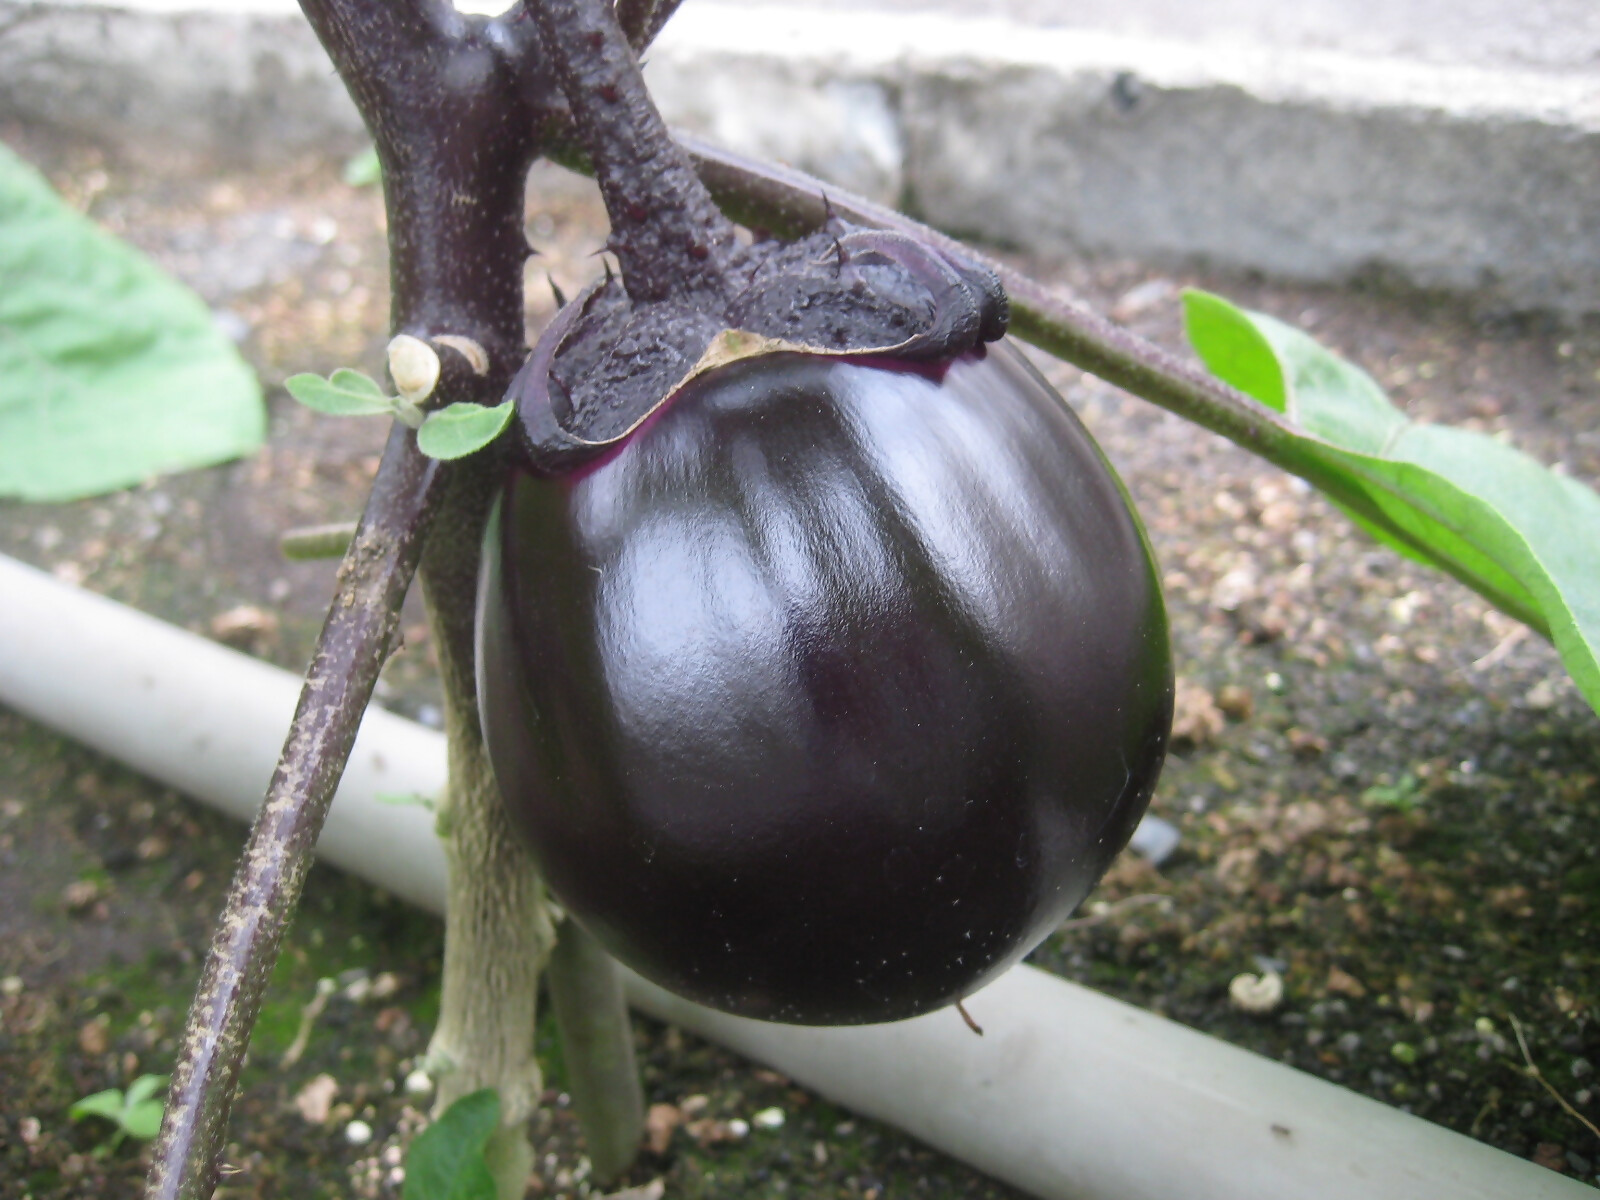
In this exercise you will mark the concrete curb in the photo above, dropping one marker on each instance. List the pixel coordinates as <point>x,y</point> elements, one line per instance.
<point>1309,165</point>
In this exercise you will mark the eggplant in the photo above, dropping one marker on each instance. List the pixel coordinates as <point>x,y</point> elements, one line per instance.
<point>830,691</point>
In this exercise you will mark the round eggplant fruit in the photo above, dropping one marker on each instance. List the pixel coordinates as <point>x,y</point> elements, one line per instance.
<point>832,689</point>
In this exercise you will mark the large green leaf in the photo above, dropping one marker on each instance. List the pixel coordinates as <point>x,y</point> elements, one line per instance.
<point>110,372</point>
<point>1521,535</point>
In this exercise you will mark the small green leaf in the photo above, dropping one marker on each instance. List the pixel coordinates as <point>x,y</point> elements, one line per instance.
<point>1524,537</point>
<point>143,1121</point>
<point>108,1104</point>
<point>357,383</point>
<point>142,1088</point>
<point>458,430</point>
<point>110,371</point>
<point>1402,795</point>
<point>364,169</point>
<point>1232,348</point>
<point>446,1161</point>
<point>345,393</point>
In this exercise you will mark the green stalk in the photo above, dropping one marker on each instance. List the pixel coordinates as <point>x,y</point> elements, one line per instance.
<point>597,1046</point>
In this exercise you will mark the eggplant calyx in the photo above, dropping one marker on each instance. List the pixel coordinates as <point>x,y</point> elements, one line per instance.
<point>605,364</point>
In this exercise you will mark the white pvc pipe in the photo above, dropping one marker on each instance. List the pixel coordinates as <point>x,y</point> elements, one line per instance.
<point>1069,1094</point>
<point>210,721</point>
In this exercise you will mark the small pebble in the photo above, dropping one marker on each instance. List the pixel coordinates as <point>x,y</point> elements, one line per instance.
<point>1235,702</point>
<point>358,1133</point>
<point>244,626</point>
<point>94,1037</point>
<point>418,1083</point>
<point>654,1190</point>
<point>1154,840</point>
<point>739,1128</point>
<point>79,895</point>
<point>768,1118</point>
<point>314,1101</point>
<point>693,1106</point>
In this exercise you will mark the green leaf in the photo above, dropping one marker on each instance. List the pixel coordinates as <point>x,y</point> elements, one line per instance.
<point>110,371</point>
<point>458,430</point>
<point>364,169</point>
<point>143,1121</point>
<point>1326,396</point>
<point>357,383</point>
<point>144,1087</point>
<point>1233,349</point>
<point>446,1161</point>
<point>345,393</point>
<point>1524,537</point>
<point>108,1104</point>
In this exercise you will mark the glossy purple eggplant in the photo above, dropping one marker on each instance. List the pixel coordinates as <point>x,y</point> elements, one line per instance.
<point>832,690</point>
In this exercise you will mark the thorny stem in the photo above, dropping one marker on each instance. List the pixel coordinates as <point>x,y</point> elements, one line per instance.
<point>450,112</point>
<point>442,95</point>
<point>669,237</point>
<point>354,644</point>
<point>641,20</point>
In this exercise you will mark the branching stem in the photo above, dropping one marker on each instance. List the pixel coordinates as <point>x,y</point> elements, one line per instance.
<point>447,100</point>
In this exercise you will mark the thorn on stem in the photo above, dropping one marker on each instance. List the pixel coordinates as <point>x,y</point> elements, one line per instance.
<point>967,1017</point>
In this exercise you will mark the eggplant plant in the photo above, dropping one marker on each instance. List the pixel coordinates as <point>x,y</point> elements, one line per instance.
<point>821,660</point>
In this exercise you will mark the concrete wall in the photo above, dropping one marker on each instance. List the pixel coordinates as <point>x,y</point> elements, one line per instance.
<point>1304,164</point>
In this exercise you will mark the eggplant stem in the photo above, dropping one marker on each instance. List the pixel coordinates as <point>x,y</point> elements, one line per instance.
<point>669,237</point>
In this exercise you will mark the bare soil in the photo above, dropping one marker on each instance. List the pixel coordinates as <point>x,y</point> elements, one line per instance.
<point>1388,794</point>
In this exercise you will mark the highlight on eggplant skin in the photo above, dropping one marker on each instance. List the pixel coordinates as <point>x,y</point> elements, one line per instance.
<point>830,691</point>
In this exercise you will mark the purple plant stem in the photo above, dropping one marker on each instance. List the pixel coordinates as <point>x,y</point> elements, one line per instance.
<point>669,237</point>
<point>354,644</point>
<point>450,101</point>
<point>641,20</point>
